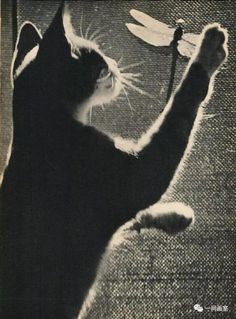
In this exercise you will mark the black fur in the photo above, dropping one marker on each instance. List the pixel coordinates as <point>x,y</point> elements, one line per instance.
<point>67,188</point>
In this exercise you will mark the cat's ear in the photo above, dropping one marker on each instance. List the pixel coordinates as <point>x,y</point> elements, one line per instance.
<point>28,38</point>
<point>56,40</point>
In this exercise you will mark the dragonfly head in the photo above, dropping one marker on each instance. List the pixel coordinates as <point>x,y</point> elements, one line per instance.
<point>179,30</point>
<point>180,22</point>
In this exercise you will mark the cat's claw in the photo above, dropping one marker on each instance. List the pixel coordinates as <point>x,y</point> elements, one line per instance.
<point>169,217</point>
<point>213,48</point>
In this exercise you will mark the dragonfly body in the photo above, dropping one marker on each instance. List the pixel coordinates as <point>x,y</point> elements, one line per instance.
<point>178,34</point>
<point>177,37</point>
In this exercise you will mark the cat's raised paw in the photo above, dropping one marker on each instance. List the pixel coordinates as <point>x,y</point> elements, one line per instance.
<point>169,217</point>
<point>213,48</point>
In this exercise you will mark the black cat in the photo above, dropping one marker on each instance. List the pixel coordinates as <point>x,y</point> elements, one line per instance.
<point>68,187</point>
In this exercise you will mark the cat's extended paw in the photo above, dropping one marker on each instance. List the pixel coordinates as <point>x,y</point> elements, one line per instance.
<point>169,217</point>
<point>213,48</point>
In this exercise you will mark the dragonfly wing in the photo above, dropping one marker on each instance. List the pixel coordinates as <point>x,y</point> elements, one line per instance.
<point>151,23</point>
<point>191,38</point>
<point>185,48</point>
<point>149,36</point>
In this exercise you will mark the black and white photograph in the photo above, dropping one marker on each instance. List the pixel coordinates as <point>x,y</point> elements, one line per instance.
<point>118,159</point>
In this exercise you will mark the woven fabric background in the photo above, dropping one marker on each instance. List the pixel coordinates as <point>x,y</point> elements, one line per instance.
<point>153,275</point>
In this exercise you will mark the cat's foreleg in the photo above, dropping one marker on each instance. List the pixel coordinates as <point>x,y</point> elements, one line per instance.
<point>161,148</point>
<point>168,217</point>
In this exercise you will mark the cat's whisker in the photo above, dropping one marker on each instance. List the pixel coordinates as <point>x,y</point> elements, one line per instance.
<point>88,29</point>
<point>127,98</point>
<point>141,91</point>
<point>100,36</point>
<point>120,60</point>
<point>92,36</point>
<point>131,78</point>
<point>131,74</point>
<point>81,25</point>
<point>131,65</point>
<point>102,107</point>
<point>129,84</point>
<point>106,49</point>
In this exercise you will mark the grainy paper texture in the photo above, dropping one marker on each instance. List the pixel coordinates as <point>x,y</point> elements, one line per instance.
<point>154,275</point>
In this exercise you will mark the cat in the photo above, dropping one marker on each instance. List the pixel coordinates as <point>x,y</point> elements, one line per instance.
<point>69,187</point>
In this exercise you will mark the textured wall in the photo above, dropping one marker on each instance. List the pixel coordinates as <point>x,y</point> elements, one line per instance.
<point>153,275</point>
<point>5,104</point>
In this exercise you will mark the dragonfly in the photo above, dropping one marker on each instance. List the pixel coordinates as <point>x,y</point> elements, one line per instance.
<point>160,34</point>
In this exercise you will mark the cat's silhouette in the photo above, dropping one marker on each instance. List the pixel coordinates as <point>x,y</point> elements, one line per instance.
<point>68,187</point>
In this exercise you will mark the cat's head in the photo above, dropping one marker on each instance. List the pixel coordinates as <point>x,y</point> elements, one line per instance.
<point>63,66</point>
